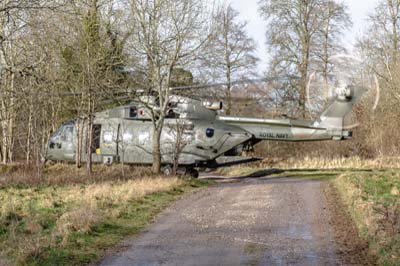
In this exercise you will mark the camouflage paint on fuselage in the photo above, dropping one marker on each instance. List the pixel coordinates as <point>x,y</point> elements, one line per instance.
<point>124,134</point>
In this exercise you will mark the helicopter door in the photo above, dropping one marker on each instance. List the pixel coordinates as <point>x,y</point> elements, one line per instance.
<point>96,139</point>
<point>96,132</point>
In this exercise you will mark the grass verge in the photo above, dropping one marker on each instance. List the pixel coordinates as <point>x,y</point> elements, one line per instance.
<point>374,202</point>
<point>73,224</point>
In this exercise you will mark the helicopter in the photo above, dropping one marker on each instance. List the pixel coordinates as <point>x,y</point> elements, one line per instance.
<point>124,134</point>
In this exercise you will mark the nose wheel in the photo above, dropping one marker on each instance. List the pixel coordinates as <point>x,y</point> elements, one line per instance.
<point>167,170</point>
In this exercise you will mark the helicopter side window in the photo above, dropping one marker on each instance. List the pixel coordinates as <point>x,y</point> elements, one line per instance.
<point>127,137</point>
<point>108,136</point>
<point>144,137</point>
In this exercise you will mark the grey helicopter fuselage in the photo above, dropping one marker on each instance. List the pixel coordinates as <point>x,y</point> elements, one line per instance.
<point>194,133</point>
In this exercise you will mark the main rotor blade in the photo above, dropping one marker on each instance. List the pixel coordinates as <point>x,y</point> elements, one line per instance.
<point>106,93</point>
<point>237,82</point>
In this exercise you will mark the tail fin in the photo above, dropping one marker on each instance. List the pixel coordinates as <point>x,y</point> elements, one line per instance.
<point>333,116</point>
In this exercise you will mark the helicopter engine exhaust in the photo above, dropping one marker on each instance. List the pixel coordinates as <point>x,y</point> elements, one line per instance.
<point>216,106</point>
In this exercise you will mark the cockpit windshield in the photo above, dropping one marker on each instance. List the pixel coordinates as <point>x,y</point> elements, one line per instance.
<point>56,135</point>
<point>65,134</point>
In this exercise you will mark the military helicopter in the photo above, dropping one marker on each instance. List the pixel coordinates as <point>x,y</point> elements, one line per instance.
<point>124,134</point>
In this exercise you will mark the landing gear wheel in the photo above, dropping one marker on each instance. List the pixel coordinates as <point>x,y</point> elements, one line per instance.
<point>167,170</point>
<point>192,172</point>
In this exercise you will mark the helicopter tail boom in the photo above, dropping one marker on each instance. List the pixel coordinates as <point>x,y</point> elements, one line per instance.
<point>329,126</point>
<point>286,130</point>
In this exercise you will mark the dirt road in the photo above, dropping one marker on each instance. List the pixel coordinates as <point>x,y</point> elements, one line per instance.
<point>254,221</point>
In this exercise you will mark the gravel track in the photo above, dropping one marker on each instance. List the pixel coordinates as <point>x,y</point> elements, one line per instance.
<point>252,221</point>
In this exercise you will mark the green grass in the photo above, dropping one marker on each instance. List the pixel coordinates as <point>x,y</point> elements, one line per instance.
<point>374,202</point>
<point>83,248</point>
<point>379,189</point>
<point>29,225</point>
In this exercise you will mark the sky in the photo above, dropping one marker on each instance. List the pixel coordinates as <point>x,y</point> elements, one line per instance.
<point>248,9</point>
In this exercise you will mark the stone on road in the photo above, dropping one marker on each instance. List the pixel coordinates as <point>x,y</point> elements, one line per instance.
<point>256,221</point>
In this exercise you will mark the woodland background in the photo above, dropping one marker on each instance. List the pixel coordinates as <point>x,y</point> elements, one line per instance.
<point>65,59</point>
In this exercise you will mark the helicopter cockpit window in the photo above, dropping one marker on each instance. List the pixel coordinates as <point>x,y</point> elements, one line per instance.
<point>67,134</point>
<point>56,136</point>
<point>108,137</point>
<point>171,112</point>
<point>133,112</point>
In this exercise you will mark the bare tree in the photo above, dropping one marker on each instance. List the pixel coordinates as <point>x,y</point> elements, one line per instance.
<point>91,64</point>
<point>292,28</point>
<point>58,60</point>
<point>176,139</point>
<point>381,42</point>
<point>335,20</point>
<point>11,66</point>
<point>22,75</point>
<point>167,34</point>
<point>380,47</point>
<point>301,33</point>
<point>230,54</point>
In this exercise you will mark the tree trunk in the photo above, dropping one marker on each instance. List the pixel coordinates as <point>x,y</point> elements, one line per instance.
<point>394,13</point>
<point>326,58</point>
<point>79,136</point>
<point>29,136</point>
<point>228,91</point>
<point>303,76</point>
<point>156,151</point>
<point>89,141</point>
<point>228,64</point>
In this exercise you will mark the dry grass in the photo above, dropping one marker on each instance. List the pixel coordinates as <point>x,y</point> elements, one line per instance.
<point>313,163</point>
<point>46,214</point>
<point>67,174</point>
<point>333,163</point>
